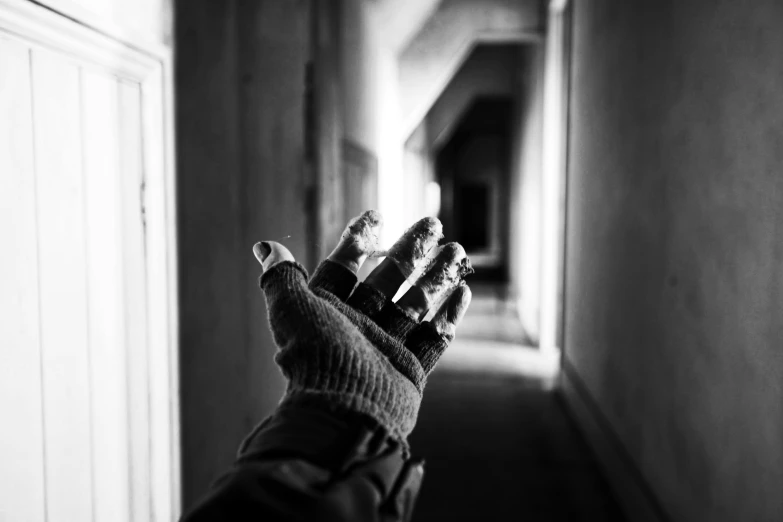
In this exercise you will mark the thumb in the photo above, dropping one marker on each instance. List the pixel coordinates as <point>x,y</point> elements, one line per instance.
<point>298,317</point>
<point>270,253</point>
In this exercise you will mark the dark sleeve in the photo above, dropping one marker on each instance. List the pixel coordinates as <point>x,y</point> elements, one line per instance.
<point>381,490</point>
<point>310,464</point>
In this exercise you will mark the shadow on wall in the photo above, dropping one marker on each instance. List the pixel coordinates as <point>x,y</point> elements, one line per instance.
<point>240,76</point>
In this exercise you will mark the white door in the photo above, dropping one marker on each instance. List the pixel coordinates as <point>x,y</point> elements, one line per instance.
<point>87,347</point>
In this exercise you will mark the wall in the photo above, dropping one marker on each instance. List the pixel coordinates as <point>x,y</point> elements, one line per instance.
<point>327,126</point>
<point>418,171</point>
<point>390,151</point>
<point>359,45</point>
<point>556,74</point>
<point>241,154</point>
<point>359,48</point>
<point>345,116</point>
<point>674,281</point>
<point>525,190</point>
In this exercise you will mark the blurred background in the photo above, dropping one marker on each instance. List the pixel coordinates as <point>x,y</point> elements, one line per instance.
<point>612,169</point>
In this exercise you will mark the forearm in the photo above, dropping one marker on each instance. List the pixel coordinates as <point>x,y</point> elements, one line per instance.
<point>308,463</point>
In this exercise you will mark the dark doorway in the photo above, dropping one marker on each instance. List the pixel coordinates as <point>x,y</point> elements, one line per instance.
<point>474,218</point>
<point>473,171</point>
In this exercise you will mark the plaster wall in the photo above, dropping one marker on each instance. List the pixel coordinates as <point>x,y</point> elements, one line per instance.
<point>418,171</point>
<point>391,150</point>
<point>326,128</point>
<point>525,190</point>
<point>674,260</point>
<point>359,47</point>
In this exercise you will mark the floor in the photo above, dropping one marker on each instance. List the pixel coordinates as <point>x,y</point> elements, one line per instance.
<point>496,439</point>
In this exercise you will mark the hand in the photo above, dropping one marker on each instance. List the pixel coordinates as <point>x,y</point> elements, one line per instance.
<point>349,345</point>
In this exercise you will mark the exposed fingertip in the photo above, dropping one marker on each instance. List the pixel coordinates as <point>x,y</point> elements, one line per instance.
<point>415,244</point>
<point>465,268</point>
<point>444,273</point>
<point>459,303</point>
<point>432,223</point>
<point>270,253</point>
<point>454,250</point>
<point>452,311</point>
<point>373,217</point>
<point>358,241</point>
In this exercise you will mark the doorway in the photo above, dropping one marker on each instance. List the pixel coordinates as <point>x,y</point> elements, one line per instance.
<point>473,170</point>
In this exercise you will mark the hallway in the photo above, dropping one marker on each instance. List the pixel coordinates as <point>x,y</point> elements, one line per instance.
<point>616,164</point>
<point>496,439</point>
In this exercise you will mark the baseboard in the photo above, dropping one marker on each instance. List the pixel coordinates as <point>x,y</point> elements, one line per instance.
<point>628,485</point>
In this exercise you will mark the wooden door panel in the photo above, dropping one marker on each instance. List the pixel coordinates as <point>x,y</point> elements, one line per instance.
<point>84,152</point>
<point>63,284</point>
<point>22,476</point>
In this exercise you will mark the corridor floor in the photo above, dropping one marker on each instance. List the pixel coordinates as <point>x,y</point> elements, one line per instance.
<point>496,439</point>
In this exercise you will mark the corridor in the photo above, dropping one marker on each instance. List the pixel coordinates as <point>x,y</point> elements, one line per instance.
<point>497,441</point>
<point>612,169</point>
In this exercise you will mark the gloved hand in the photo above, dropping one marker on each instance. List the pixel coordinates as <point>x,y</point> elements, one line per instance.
<point>336,449</point>
<point>349,347</point>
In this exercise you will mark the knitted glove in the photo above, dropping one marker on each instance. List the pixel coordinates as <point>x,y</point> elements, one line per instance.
<point>348,347</point>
